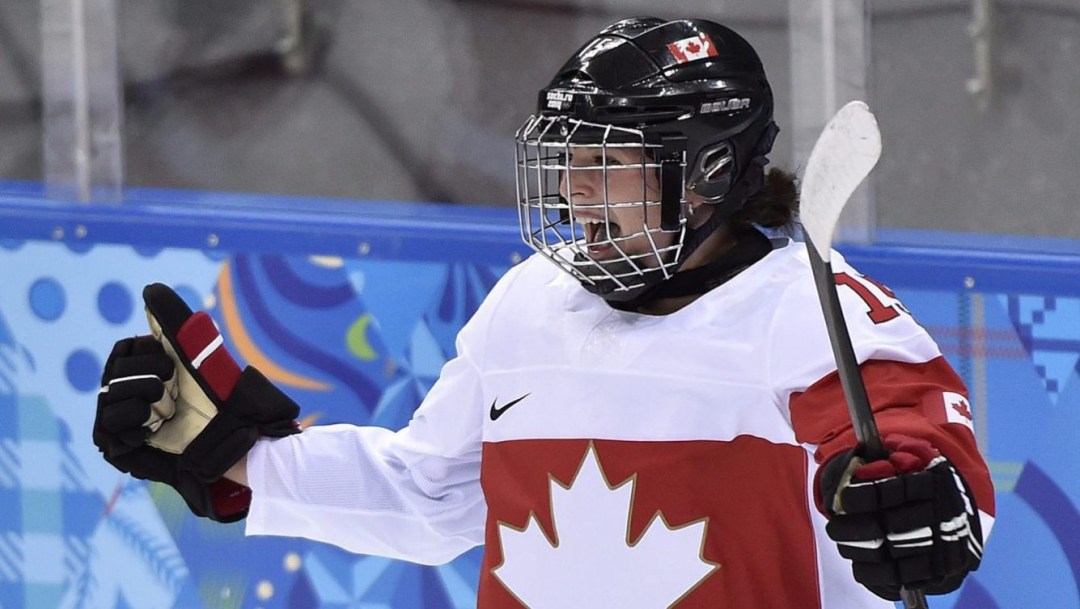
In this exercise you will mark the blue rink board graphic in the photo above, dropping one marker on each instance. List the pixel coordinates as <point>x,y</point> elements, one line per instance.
<point>359,335</point>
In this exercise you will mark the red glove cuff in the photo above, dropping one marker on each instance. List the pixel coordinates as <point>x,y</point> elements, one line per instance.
<point>231,500</point>
<point>907,455</point>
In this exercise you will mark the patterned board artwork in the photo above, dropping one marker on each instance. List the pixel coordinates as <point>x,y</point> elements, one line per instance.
<point>362,341</point>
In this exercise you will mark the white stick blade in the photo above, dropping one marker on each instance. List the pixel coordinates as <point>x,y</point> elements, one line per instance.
<point>845,152</point>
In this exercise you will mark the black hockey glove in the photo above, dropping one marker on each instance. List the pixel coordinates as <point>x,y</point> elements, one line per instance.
<point>906,521</point>
<point>175,408</point>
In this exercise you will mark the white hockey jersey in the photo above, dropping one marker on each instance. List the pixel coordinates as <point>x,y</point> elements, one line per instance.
<point>612,459</point>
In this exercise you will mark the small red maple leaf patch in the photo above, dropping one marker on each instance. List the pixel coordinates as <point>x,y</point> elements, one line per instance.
<point>963,409</point>
<point>693,48</point>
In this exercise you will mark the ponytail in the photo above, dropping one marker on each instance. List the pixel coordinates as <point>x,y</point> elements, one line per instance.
<point>775,206</point>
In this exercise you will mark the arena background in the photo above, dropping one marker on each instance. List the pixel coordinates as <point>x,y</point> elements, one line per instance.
<point>341,205</point>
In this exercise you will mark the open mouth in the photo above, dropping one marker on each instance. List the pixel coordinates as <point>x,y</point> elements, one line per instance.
<point>599,234</point>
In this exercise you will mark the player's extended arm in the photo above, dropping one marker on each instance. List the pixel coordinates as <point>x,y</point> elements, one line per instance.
<point>175,407</point>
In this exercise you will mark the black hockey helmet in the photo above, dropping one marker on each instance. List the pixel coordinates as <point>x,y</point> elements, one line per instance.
<point>691,78</point>
<point>691,93</point>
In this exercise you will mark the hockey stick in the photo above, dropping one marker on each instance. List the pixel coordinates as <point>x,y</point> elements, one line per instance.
<point>842,157</point>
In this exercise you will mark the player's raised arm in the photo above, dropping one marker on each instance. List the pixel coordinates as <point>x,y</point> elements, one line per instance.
<point>917,519</point>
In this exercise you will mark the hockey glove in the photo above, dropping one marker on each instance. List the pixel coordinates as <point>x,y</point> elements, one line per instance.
<point>175,408</point>
<point>909,520</point>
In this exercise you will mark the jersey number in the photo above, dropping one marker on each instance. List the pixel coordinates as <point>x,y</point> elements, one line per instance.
<point>879,312</point>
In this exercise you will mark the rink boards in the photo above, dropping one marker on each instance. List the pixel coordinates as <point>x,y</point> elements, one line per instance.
<point>352,308</point>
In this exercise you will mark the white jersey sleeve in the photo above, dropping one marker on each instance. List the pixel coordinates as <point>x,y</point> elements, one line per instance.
<point>878,324</point>
<point>413,494</point>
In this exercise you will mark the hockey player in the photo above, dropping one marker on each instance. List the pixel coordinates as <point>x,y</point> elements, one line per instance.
<point>646,413</point>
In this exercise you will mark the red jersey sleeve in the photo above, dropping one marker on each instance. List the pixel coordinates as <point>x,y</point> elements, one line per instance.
<point>925,400</point>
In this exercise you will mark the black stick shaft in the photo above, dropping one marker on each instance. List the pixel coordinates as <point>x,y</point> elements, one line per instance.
<point>847,367</point>
<point>862,417</point>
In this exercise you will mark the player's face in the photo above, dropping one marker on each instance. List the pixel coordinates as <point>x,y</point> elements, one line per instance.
<point>626,226</point>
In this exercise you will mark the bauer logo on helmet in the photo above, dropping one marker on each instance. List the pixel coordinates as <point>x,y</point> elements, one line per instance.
<point>726,105</point>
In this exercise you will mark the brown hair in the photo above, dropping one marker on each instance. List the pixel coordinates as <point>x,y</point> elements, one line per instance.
<point>775,206</point>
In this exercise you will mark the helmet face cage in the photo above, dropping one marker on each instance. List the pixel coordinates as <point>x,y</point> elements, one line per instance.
<point>574,233</point>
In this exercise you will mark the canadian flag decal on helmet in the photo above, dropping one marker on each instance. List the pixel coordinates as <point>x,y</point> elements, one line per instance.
<point>694,47</point>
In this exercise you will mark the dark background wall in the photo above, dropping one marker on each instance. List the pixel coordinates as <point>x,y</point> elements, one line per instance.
<point>419,99</point>
<point>1014,168</point>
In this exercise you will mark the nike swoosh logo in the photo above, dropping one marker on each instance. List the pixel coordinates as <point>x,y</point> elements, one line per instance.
<point>498,412</point>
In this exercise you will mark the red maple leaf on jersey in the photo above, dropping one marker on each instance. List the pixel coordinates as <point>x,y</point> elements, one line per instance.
<point>963,409</point>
